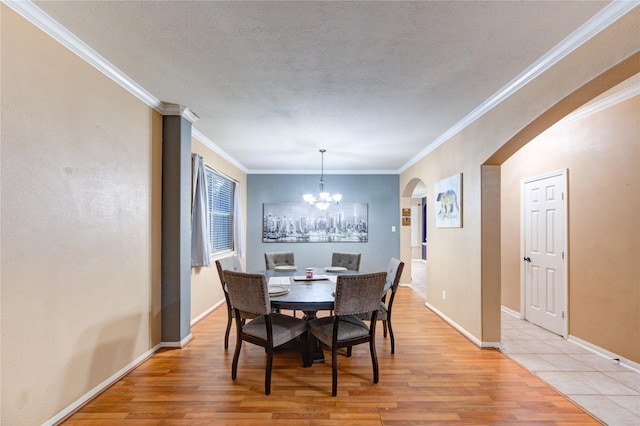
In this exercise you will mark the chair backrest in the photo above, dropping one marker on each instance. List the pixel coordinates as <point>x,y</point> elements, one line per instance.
<point>357,294</point>
<point>394,271</point>
<point>271,260</point>
<point>350,261</point>
<point>227,264</point>
<point>248,292</point>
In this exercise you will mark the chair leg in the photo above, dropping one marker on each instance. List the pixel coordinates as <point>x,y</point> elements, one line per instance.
<point>384,328</point>
<point>334,371</point>
<point>374,360</point>
<point>349,351</point>
<point>267,373</point>
<point>393,341</point>
<point>226,334</point>
<point>236,356</point>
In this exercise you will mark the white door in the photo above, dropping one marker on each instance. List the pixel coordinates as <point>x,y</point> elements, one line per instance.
<point>544,253</point>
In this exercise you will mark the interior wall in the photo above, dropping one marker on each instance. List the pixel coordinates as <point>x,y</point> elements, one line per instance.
<point>206,290</point>
<point>602,154</point>
<point>454,254</point>
<point>380,192</point>
<point>80,225</point>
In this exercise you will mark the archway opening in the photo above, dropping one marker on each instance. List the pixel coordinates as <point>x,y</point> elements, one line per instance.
<point>413,239</point>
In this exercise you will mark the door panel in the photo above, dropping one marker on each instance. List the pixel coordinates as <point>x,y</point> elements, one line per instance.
<point>543,247</point>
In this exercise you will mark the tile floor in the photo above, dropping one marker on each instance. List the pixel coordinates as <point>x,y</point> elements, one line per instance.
<point>608,391</point>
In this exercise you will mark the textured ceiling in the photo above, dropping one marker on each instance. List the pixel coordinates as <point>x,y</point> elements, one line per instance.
<point>372,82</point>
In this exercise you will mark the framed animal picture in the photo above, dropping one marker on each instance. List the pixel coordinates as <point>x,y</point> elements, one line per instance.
<point>448,204</point>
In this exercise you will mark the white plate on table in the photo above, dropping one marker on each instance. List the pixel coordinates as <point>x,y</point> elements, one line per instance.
<point>336,269</point>
<point>277,290</point>
<point>285,268</point>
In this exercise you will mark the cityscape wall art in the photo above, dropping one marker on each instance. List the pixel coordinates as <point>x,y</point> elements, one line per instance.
<point>304,223</point>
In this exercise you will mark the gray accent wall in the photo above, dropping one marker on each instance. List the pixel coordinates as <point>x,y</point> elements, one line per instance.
<point>380,192</point>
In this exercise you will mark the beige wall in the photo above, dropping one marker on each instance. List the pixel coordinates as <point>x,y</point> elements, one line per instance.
<point>80,225</point>
<point>454,260</point>
<point>81,201</point>
<point>602,155</point>
<point>206,290</point>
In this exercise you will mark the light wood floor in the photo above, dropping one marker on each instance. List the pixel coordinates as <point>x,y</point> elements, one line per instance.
<point>436,377</point>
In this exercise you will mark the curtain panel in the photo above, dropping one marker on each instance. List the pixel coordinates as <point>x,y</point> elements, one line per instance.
<point>200,242</point>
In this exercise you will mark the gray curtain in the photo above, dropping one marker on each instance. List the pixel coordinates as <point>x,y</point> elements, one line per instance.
<point>200,243</point>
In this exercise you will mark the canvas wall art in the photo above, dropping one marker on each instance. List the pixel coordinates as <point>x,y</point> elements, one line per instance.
<point>302,223</point>
<point>448,205</point>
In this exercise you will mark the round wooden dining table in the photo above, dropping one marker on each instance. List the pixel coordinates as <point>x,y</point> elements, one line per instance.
<point>306,295</point>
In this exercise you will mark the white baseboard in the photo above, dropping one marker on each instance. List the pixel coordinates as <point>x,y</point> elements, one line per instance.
<point>124,371</point>
<point>463,331</point>
<point>181,344</point>
<point>205,313</point>
<point>101,387</point>
<point>589,346</point>
<point>605,353</point>
<point>510,312</point>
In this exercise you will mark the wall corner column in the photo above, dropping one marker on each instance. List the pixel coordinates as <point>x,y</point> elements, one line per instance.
<point>176,226</point>
<point>490,254</point>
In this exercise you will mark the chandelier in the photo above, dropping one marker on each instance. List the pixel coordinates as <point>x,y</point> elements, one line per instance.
<point>324,199</point>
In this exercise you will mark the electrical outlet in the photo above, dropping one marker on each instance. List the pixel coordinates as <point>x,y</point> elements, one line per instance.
<point>444,294</point>
<point>393,229</point>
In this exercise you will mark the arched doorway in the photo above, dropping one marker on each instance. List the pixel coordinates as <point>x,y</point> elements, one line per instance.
<point>414,241</point>
<point>493,268</point>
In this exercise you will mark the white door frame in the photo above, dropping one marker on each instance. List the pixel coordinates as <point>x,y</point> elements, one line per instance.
<point>565,174</point>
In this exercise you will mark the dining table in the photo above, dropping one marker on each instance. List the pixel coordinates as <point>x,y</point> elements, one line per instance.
<point>297,292</point>
<point>291,289</point>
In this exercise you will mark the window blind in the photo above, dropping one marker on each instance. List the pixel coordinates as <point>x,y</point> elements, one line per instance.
<point>220,199</point>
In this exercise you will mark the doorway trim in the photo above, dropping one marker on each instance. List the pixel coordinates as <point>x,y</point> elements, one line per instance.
<point>564,173</point>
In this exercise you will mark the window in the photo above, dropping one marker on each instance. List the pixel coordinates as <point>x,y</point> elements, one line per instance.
<point>220,199</point>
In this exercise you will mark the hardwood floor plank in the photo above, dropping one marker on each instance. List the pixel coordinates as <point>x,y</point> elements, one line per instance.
<point>436,376</point>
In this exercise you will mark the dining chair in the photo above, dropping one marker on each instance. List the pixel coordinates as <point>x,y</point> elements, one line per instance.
<point>273,259</point>
<point>249,295</point>
<point>394,271</point>
<point>355,294</point>
<point>351,261</point>
<point>229,264</point>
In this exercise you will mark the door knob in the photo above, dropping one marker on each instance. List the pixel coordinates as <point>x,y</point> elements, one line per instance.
<point>528,259</point>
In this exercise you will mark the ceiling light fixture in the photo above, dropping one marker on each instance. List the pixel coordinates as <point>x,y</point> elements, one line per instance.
<point>324,199</point>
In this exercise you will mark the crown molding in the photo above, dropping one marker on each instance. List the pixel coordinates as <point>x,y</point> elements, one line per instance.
<point>51,27</point>
<point>607,16</point>
<point>215,148</point>
<point>175,109</point>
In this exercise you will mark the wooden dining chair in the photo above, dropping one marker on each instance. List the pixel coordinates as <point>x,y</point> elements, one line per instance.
<point>355,294</point>
<point>394,271</point>
<point>351,261</point>
<point>249,295</point>
<point>273,259</point>
<point>230,264</point>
